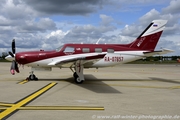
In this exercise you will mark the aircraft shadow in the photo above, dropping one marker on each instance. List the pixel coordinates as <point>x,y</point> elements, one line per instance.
<point>164,80</point>
<point>99,86</point>
<point>91,83</point>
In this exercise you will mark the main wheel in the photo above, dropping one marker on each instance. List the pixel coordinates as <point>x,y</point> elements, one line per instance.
<point>75,75</point>
<point>78,80</point>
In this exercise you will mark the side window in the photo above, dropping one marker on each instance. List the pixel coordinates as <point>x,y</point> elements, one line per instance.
<point>98,50</point>
<point>69,49</point>
<point>85,50</point>
<point>110,50</point>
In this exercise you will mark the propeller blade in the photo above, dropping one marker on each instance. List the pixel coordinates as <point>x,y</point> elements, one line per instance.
<point>12,70</point>
<point>16,67</point>
<point>13,46</point>
<point>10,53</point>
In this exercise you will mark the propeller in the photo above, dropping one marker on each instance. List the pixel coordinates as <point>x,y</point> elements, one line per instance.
<point>14,65</point>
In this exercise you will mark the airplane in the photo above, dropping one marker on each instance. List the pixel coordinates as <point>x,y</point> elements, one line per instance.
<point>78,57</point>
<point>178,60</point>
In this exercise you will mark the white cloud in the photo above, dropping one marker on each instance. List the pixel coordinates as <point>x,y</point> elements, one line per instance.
<point>149,16</point>
<point>137,28</point>
<point>31,22</point>
<point>16,11</point>
<point>42,25</point>
<point>173,8</point>
<point>131,30</point>
<point>58,33</point>
<point>106,20</point>
<point>53,39</point>
<point>170,36</point>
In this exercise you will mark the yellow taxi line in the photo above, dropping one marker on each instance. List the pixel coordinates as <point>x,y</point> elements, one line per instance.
<point>58,108</point>
<point>6,104</point>
<point>22,82</point>
<point>24,101</point>
<point>61,108</point>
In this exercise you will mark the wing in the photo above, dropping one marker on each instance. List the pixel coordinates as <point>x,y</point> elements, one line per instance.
<point>160,52</point>
<point>69,60</point>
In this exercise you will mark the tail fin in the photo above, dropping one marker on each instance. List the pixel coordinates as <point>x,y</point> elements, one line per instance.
<point>149,38</point>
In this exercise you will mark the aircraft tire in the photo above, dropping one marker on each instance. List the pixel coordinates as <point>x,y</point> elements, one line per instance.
<point>76,78</point>
<point>78,81</point>
<point>33,77</point>
<point>75,75</point>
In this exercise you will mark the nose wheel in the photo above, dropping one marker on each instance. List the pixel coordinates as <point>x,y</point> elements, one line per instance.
<point>32,77</point>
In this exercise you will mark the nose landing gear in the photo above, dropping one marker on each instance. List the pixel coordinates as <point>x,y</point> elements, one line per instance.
<point>32,77</point>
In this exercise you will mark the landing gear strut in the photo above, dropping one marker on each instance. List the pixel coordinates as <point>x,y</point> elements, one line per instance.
<point>78,74</point>
<point>32,77</point>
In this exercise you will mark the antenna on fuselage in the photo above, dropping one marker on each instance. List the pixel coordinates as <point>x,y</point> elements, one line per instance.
<point>98,41</point>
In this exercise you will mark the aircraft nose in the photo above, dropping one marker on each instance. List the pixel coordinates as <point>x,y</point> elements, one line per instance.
<point>10,58</point>
<point>20,58</point>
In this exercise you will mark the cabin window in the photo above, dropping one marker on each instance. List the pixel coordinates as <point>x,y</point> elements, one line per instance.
<point>85,50</point>
<point>98,50</point>
<point>110,50</point>
<point>69,49</point>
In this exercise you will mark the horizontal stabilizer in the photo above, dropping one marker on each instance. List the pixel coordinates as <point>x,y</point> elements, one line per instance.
<point>160,52</point>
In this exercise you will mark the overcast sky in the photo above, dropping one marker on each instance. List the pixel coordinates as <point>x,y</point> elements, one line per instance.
<point>47,24</point>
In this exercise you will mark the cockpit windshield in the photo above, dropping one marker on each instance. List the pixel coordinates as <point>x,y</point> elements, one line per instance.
<point>59,48</point>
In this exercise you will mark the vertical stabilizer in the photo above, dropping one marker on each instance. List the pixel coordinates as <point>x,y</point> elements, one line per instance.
<point>149,38</point>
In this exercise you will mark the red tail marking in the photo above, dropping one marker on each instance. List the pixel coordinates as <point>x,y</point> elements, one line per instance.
<point>148,42</point>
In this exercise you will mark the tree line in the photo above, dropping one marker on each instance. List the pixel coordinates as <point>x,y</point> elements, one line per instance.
<point>3,55</point>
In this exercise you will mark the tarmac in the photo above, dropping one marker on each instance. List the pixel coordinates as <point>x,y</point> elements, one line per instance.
<point>124,92</point>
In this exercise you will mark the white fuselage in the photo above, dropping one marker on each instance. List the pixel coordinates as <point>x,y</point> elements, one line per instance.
<point>110,59</point>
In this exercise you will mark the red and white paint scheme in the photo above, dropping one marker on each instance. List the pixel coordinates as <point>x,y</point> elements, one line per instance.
<point>80,56</point>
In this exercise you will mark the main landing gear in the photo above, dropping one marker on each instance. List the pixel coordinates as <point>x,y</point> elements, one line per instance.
<point>32,77</point>
<point>78,74</point>
<point>77,78</point>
